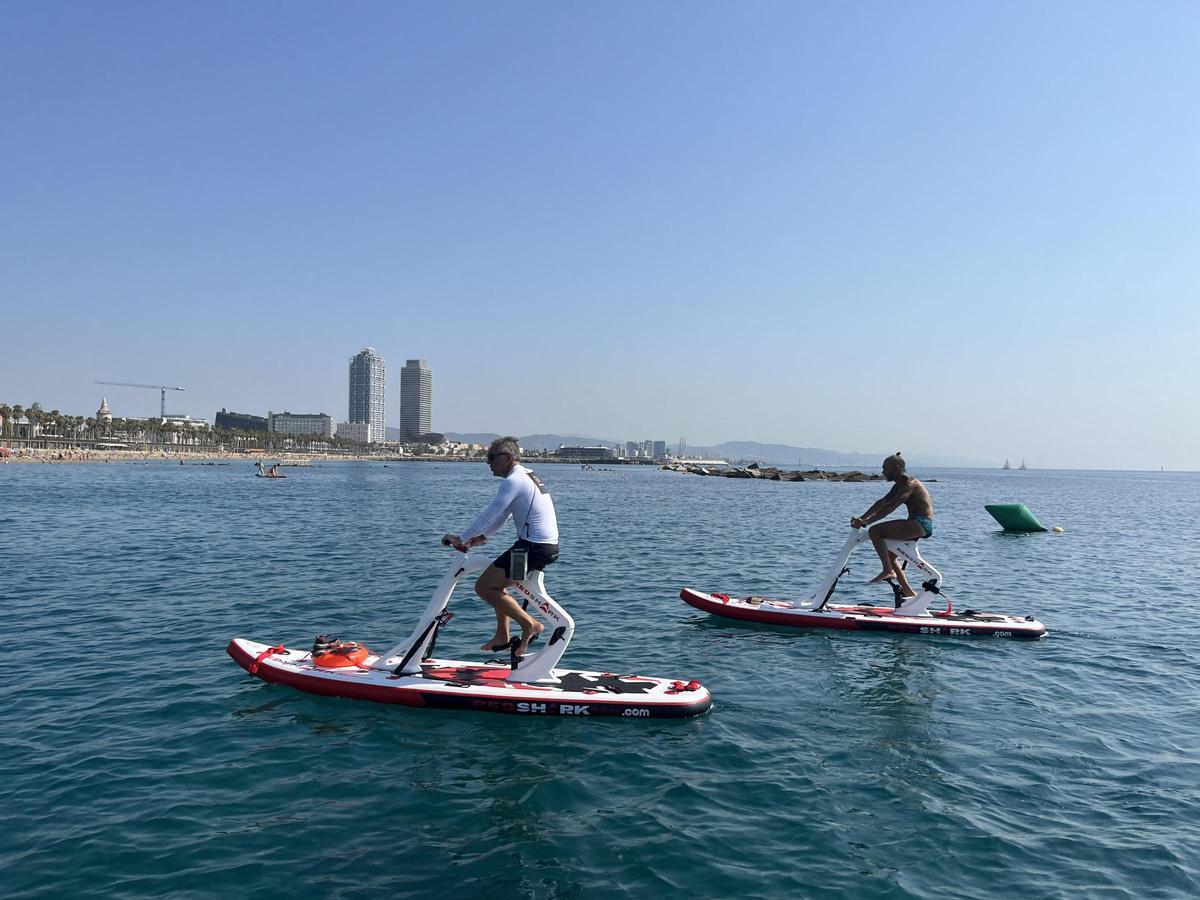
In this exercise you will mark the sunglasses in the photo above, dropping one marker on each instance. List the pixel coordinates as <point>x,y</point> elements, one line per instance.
<point>492,457</point>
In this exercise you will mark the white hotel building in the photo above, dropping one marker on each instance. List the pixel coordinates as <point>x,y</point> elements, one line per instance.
<point>368,386</point>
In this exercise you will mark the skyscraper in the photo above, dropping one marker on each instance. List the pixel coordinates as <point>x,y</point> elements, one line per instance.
<point>367,392</point>
<point>416,399</point>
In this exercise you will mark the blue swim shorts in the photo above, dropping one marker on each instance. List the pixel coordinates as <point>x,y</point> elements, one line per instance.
<point>926,523</point>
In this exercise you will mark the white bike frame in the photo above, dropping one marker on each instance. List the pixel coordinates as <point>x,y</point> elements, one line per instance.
<point>534,668</point>
<point>904,550</point>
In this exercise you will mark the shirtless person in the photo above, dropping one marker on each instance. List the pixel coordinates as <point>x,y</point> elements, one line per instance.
<point>919,524</point>
<point>525,498</point>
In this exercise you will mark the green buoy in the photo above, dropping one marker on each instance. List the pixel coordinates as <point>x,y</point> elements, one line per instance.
<point>1014,517</point>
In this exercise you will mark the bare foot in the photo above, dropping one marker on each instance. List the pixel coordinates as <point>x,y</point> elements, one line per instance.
<point>496,644</point>
<point>527,636</point>
<point>882,576</point>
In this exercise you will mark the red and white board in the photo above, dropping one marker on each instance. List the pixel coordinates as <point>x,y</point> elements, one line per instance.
<point>482,687</point>
<point>862,618</point>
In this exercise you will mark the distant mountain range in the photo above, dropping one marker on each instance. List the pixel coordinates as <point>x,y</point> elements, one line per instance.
<point>750,451</point>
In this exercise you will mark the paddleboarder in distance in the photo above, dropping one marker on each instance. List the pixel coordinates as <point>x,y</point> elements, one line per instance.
<point>522,496</point>
<point>906,491</point>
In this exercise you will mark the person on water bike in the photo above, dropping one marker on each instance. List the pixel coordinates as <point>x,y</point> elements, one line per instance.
<point>919,524</point>
<point>522,496</point>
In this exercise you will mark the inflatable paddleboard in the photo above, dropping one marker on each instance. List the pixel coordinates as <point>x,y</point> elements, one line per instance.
<point>261,475</point>
<point>907,614</point>
<point>482,687</point>
<point>863,617</point>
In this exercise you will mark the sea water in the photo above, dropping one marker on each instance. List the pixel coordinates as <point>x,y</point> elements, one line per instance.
<point>138,760</point>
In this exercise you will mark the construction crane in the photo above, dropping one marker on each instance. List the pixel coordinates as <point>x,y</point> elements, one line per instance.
<point>154,387</point>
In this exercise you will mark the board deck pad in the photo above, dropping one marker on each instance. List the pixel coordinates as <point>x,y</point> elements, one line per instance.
<point>572,682</point>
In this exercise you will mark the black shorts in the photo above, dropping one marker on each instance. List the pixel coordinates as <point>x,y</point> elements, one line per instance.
<point>540,556</point>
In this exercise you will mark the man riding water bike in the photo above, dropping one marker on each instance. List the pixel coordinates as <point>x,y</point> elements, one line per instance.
<point>522,496</point>
<point>919,524</point>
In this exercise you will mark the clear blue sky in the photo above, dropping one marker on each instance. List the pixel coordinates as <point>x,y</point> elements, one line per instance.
<point>967,229</point>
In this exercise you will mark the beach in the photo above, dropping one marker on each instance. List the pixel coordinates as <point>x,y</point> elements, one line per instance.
<point>186,456</point>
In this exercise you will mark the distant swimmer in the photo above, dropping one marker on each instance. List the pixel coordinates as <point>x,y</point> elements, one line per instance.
<point>522,496</point>
<point>906,491</point>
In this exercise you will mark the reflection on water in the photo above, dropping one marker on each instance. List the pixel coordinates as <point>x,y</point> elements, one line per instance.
<point>898,680</point>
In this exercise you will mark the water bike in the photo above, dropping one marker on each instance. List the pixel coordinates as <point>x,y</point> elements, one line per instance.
<point>529,684</point>
<point>910,615</point>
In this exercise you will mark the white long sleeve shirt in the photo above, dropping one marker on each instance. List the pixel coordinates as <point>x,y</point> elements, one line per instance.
<point>529,504</point>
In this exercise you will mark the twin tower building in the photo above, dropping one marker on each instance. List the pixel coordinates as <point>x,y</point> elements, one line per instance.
<point>368,392</point>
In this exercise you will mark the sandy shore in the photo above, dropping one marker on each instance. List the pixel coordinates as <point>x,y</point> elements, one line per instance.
<point>190,457</point>
<point>180,456</point>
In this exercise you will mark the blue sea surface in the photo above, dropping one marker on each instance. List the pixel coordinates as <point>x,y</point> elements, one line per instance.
<point>138,760</point>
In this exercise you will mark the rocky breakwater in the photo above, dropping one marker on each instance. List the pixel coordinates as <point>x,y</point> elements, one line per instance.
<point>768,474</point>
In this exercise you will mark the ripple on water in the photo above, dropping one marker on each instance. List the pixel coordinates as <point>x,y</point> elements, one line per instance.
<point>143,762</point>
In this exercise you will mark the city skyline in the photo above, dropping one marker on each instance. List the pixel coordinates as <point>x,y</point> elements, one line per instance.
<point>845,227</point>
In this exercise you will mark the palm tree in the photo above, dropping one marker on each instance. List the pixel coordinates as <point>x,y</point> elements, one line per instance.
<point>17,412</point>
<point>33,417</point>
<point>6,415</point>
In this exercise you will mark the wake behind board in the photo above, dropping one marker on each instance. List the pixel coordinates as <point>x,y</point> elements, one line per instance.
<point>449,684</point>
<point>863,618</point>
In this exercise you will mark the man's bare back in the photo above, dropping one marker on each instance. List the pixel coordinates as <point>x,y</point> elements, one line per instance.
<point>913,495</point>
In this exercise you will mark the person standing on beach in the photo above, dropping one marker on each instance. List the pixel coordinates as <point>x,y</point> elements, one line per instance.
<point>522,496</point>
<point>919,524</point>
